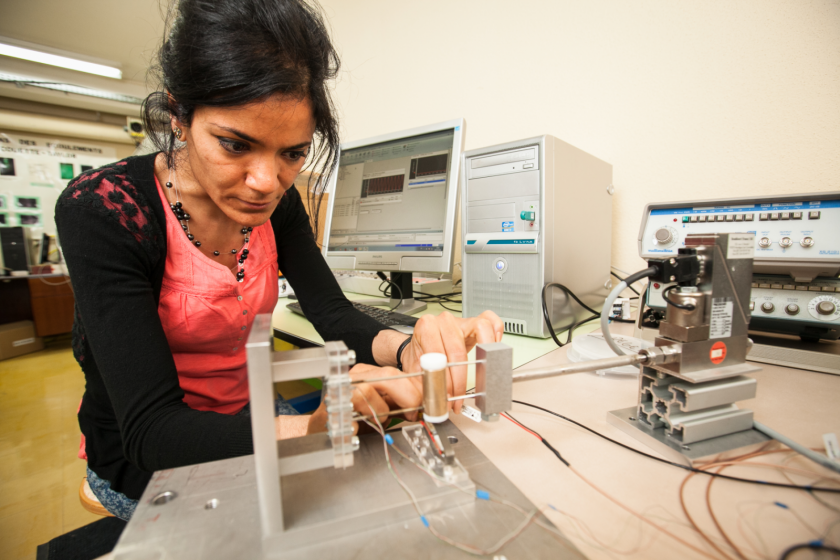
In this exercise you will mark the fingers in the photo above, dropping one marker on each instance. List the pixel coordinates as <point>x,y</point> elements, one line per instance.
<point>402,392</point>
<point>478,330</point>
<point>456,351</point>
<point>497,325</point>
<point>384,394</point>
<point>428,338</point>
<point>367,401</point>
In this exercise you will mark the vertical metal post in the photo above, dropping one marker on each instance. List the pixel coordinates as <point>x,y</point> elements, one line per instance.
<point>261,388</point>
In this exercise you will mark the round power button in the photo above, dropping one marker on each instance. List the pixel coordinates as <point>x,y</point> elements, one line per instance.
<point>500,265</point>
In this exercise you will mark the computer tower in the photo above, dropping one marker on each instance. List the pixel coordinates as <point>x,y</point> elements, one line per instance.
<point>533,212</point>
<point>15,249</point>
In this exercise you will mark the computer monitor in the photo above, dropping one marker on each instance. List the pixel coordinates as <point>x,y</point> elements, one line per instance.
<point>393,204</point>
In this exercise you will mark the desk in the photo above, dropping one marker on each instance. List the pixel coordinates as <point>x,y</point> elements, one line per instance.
<point>800,404</point>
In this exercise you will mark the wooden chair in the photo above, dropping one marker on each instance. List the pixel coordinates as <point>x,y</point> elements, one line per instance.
<point>90,502</point>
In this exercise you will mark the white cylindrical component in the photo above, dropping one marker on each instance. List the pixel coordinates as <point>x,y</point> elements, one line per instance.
<point>432,361</point>
<point>435,401</point>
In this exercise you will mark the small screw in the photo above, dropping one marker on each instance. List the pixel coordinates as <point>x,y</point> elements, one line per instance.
<point>686,447</point>
<point>672,261</point>
<point>164,497</point>
<point>673,278</point>
<point>633,418</point>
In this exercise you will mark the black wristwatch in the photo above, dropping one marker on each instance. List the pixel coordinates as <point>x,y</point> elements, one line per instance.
<point>400,351</point>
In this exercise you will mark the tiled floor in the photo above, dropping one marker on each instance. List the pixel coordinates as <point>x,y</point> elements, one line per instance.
<point>39,438</point>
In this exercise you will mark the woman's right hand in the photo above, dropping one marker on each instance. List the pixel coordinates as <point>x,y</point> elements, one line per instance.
<point>376,397</point>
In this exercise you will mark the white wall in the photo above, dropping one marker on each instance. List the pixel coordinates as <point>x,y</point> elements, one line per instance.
<point>687,99</point>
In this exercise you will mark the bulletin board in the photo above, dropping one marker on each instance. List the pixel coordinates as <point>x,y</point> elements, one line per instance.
<point>34,171</point>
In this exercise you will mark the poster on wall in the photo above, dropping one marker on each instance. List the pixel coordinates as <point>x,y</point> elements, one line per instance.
<point>34,171</point>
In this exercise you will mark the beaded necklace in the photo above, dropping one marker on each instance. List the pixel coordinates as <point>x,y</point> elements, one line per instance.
<point>184,219</point>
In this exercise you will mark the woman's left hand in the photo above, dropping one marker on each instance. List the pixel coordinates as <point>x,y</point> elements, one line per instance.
<point>454,337</point>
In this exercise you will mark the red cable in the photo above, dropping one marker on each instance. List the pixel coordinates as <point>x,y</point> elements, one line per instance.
<point>535,434</point>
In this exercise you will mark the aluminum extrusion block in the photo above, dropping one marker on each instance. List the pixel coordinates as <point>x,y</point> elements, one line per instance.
<point>690,396</point>
<point>691,412</point>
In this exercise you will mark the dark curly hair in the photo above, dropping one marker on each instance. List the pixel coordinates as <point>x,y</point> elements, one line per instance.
<point>226,53</point>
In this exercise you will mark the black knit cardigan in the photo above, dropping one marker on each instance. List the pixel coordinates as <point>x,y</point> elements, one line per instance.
<point>111,224</point>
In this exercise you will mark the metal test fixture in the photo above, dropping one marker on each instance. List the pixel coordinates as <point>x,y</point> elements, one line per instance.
<point>329,495</point>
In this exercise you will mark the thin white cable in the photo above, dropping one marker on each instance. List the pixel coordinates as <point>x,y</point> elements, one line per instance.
<point>605,317</point>
<point>799,448</point>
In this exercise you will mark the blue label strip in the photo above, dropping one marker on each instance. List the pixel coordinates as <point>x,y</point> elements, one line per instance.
<point>511,242</point>
<point>758,208</point>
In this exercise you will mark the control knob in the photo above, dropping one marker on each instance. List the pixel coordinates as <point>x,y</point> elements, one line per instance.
<point>663,236</point>
<point>767,307</point>
<point>792,309</point>
<point>826,307</point>
<point>764,242</point>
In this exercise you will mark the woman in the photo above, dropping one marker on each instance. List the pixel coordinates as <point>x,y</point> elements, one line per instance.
<point>172,255</point>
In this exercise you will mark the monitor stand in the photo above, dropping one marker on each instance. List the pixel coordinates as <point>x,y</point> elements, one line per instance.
<point>405,286</point>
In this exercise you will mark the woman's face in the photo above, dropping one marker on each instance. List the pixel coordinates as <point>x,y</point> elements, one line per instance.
<point>245,158</point>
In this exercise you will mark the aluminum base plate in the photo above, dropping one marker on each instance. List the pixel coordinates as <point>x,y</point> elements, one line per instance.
<point>694,454</point>
<point>328,512</point>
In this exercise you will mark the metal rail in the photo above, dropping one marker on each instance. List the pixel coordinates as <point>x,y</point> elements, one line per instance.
<point>592,365</point>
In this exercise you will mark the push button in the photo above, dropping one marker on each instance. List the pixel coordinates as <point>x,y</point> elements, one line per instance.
<point>730,217</point>
<point>528,216</point>
<point>763,217</point>
<point>748,217</point>
<point>719,218</point>
<point>796,215</point>
<point>774,216</point>
<point>785,215</point>
<point>814,215</point>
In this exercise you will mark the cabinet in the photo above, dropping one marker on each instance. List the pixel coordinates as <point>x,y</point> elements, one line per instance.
<point>52,305</point>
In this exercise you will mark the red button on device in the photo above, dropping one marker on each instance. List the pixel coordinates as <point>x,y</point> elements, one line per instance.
<point>717,353</point>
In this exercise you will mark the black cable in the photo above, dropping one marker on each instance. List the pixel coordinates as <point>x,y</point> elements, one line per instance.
<point>686,306</point>
<point>392,285</point>
<point>547,319</point>
<point>632,289</point>
<point>542,439</point>
<point>815,545</point>
<point>449,308</point>
<point>680,465</point>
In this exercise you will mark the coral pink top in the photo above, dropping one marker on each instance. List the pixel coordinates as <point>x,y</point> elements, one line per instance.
<point>207,315</point>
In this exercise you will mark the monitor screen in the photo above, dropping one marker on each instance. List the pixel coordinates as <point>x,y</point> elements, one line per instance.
<point>393,201</point>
